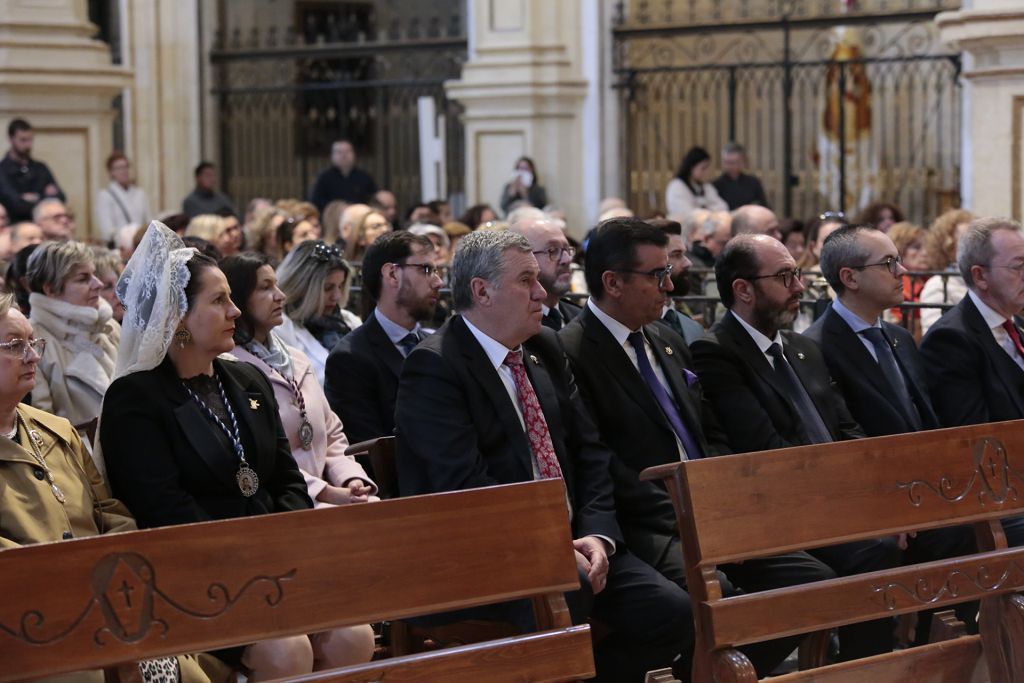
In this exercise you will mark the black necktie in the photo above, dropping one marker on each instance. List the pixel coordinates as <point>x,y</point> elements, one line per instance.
<point>893,375</point>
<point>817,432</point>
<point>671,318</point>
<point>408,343</point>
<point>553,319</point>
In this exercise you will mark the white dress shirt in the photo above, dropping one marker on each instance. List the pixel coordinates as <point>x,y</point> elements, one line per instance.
<point>763,342</point>
<point>995,321</point>
<point>117,207</point>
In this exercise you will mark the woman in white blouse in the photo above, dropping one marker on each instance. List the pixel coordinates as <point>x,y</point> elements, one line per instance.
<point>691,188</point>
<point>122,202</point>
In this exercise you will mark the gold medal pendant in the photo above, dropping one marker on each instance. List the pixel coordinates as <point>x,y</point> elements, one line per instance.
<point>248,481</point>
<point>306,434</point>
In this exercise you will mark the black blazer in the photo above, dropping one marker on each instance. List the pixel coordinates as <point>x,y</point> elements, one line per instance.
<point>171,465</point>
<point>457,427</point>
<point>971,378</point>
<point>749,402</point>
<point>634,426</point>
<point>361,381</point>
<point>860,380</point>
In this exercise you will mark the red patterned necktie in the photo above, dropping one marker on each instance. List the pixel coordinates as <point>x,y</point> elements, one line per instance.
<point>1011,330</point>
<point>536,426</point>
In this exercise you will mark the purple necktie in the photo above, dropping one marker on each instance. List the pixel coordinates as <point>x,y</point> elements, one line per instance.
<point>668,405</point>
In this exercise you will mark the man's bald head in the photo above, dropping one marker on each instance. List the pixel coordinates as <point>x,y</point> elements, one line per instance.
<point>547,239</point>
<point>757,220</point>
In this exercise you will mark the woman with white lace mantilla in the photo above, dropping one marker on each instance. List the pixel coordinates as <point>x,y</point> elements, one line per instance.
<point>214,446</point>
<point>77,323</point>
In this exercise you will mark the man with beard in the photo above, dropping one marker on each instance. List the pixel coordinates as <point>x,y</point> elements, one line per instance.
<point>676,315</point>
<point>770,388</point>
<point>554,256</point>
<point>361,376</point>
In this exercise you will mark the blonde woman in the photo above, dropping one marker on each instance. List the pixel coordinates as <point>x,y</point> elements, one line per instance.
<point>223,232</point>
<point>373,225</point>
<point>943,242</point>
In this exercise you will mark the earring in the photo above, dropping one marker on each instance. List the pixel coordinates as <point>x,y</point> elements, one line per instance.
<point>183,337</point>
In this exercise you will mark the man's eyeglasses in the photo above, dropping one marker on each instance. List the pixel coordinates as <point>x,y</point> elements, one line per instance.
<point>326,253</point>
<point>787,277</point>
<point>1019,268</point>
<point>428,269</point>
<point>892,264</point>
<point>18,348</point>
<point>832,216</point>
<point>662,275</point>
<point>555,253</point>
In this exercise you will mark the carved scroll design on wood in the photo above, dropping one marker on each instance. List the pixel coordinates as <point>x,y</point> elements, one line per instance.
<point>992,473</point>
<point>125,591</point>
<point>924,592</point>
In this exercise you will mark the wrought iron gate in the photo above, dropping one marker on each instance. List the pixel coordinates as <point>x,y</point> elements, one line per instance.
<point>286,94</point>
<point>788,83</point>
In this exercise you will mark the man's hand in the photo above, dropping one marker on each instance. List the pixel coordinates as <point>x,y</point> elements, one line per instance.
<point>30,197</point>
<point>592,558</point>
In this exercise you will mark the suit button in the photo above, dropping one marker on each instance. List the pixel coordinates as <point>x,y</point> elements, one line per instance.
<point>68,536</point>
<point>38,474</point>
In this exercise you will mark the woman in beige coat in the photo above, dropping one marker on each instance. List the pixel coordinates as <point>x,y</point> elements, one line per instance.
<point>76,322</point>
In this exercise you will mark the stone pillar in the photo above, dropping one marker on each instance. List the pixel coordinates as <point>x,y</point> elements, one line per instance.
<point>525,92</point>
<point>991,36</point>
<point>53,74</point>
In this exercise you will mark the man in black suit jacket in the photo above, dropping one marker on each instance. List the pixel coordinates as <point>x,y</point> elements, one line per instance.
<point>361,376</point>
<point>676,317</point>
<point>974,360</point>
<point>770,388</point>
<point>489,399</point>
<point>554,256</point>
<point>628,279</point>
<point>863,267</point>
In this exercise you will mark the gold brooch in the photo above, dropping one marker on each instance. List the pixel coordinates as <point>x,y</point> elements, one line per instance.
<point>668,350</point>
<point>254,404</point>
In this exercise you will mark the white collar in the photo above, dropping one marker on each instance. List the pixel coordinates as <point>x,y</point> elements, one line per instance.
<point>495,350</point>
<point>992,317</point>
<point>763,342</point>
<point>396,333</point>
<point>618,330</point>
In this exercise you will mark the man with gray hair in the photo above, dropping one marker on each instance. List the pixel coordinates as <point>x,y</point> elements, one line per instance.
<point>53,217</point>
<point>974,353</point>
<point>489,399</point>
<point>757,220</point>
<point>554,256</point>
<point>734,186</point>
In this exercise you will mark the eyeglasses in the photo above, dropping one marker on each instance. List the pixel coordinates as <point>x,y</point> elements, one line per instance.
<point>1019,268</point>
<point>325,253</point>
<point>892,264</point>
<point>787,277</point>
<point>832,216</point>
<point>661,274</point>
<point>555,253</point>
<point>18,348</point>
<point>59,217</point>
<point>428,269</point>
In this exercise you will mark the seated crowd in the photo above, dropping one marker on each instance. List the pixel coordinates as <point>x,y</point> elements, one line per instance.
<point>234,351</point>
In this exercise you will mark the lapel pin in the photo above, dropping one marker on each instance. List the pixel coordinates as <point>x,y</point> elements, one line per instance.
<point>800,355</point>
<point>668,350</point>
<point>895,343</point>
<point>254,404</point>
<point>534,359</point>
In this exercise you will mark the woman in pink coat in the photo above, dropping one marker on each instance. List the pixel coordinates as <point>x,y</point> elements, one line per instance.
<point>315,432</point>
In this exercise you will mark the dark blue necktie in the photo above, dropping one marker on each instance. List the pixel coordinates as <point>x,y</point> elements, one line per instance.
<point>892,373</point>
<point>668,406</point>
<point>815,427</point>
<point>408,343</point>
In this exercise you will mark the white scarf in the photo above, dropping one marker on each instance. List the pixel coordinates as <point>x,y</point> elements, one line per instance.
<point>82,330</point>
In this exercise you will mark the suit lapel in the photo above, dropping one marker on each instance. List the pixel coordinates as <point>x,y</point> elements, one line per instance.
<point>207,440</point>
<point>540,378</point>
<point>494,390</point>
<point>672,368</point>
<point>613,357</point>
<point>250,406</point>
<point>916,384</point>
<point>383,347</point>
<point>748,350</point>
<point>854,352</point>
<point>1009,372</point>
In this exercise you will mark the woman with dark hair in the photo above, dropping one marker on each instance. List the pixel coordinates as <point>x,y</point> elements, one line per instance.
<point>880,215</point>
<point>190,437</point>
<point>523,187</point>
<point>691,188</point>
<point>293,231</point>
<point>477,215</point>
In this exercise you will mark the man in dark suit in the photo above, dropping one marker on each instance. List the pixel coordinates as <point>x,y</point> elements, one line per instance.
<point>489,399</point>
<point>676,315</point>
<point>634,377</point>
<point>770,388</point>
<point>554,256</point>
<point>973,354</point>
<point>361,376</point>
<point>875,364</point>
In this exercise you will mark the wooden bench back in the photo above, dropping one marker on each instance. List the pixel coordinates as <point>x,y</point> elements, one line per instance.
<point>776,501</point>
<point>751,505</point>
<point>91,603</point>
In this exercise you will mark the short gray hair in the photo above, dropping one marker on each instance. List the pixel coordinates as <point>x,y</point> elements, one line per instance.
<point>733,147</point>
<point>842,250</point>
<point>976,245</point>
<point>37,210</point>
<point>52,262</point>
<point>481,254</point>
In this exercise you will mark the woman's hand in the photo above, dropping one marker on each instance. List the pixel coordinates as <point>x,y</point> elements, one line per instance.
<point>356,492</point>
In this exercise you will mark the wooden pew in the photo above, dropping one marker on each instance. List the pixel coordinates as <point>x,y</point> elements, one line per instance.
<point>100,602</point>
<point>743,506</point>
<point>378,457</point>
